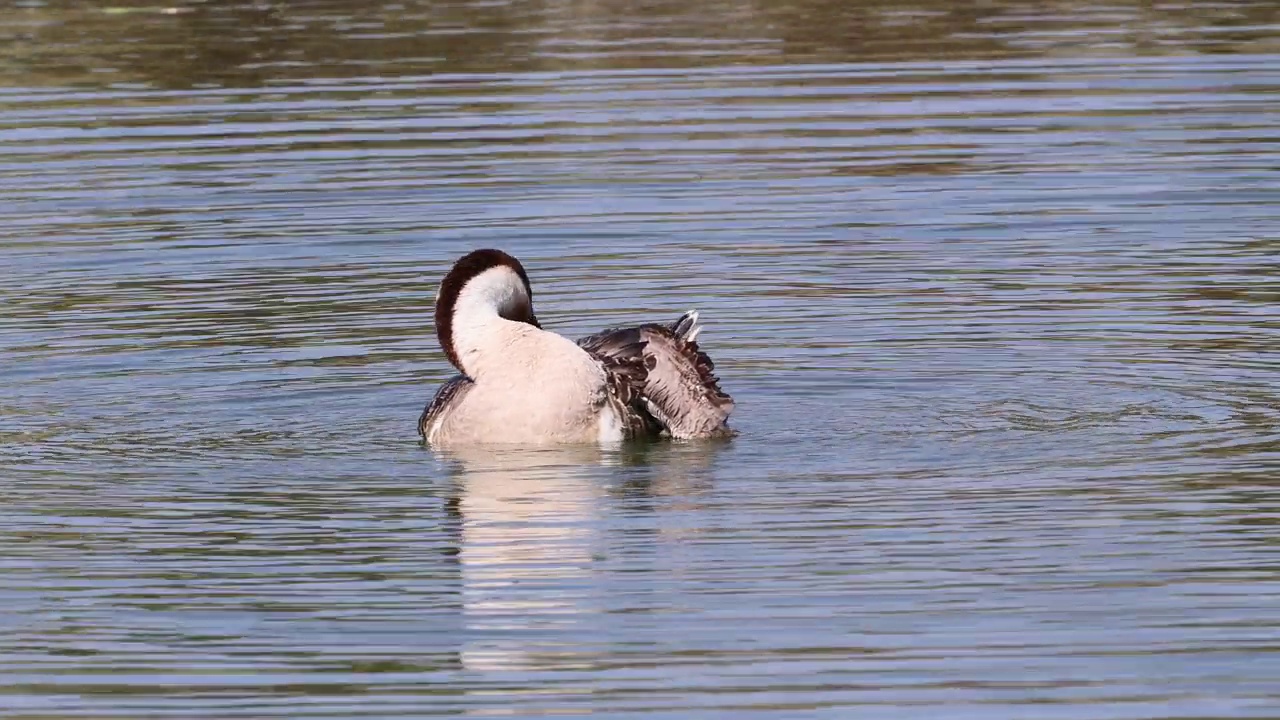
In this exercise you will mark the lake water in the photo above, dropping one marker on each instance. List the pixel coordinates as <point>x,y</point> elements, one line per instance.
<point>996,287</point>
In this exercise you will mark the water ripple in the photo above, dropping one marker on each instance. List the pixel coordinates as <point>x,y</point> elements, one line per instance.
<point>994,289</point>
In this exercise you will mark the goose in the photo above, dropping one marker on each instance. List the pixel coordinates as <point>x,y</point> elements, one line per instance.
<point>521,384</point>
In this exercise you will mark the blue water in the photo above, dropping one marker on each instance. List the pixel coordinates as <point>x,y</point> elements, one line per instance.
<point>995,296</point>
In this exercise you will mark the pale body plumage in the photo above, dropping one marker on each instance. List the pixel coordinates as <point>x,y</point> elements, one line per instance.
<point>527,386</point>
<point>524,385</point>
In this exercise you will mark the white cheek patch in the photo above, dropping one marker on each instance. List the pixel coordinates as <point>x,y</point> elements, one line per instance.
<point>496,290</point>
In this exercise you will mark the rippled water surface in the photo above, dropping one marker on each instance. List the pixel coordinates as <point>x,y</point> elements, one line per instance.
<point>996,287</point>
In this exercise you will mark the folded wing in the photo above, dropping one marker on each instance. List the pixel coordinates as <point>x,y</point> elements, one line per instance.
<point>451,392</point>
<point>680,389</point>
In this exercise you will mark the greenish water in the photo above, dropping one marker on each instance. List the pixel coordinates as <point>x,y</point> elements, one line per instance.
<point>994,285</point>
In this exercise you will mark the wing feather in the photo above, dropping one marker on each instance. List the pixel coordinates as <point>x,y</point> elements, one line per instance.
<point>680,392</point>
<point>450,393</point>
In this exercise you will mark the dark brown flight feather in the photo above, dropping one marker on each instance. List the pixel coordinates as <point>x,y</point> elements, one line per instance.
<point>681,391</point>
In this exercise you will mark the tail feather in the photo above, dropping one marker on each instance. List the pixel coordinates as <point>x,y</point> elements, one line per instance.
<point>686,324</point>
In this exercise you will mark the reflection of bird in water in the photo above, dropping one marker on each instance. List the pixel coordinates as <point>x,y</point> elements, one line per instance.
<point>522,384</point>
<point>534,527</point>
